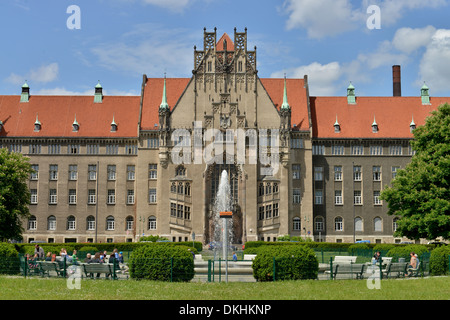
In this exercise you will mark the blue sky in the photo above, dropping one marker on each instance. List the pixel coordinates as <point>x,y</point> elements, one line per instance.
<point>120,40</point>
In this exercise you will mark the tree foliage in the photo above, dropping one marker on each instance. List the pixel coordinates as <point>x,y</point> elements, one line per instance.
<point>420,193</point>
<point>14,194</point>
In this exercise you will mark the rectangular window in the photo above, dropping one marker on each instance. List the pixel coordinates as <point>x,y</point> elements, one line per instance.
<point>337,173</point>
<point>269,211</point>
<point>394,171</point>
<point>337,150</point>
<point>131,172</point>
<point>35,149</point>
<point>338,197</point>
<point>72,196</point>
<point>112,149</point>
<point>34,196</point>
<point>73,149</point>
<point>92,198</point>
<point>54,149</point>
<point>152,195</point>
<point>92,171</point>
<point>296,143</point>
<point>295,171</point>
<point>35,173</point>
<point>318,173</point>
<point>275,210</point>
<point>357,150</point>
<point>173,209</point>
<point>73,172</point>
<point>153,143</point>
<point>318,149</point>
<point>152,171</point>
<point>92,149</point>
<point>53,199</point>
<point>130,196</point>
<point>357,173</point>
<point>261,213</point>
<point>111,170</point>
<point>131,149</point>
<point>376,198</point>
<point>111,196</point>
<point>53,172</point>
<point>187,213</point>
<point>357,198</point>
<point>395,150</point>
<point>180,211</point>
<point>376,150</point>
<point>296,196</point>
<point>318,197</point>
<point>376,173</point>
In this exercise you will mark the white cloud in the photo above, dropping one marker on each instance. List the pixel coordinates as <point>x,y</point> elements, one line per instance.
<point>43,74</point>
<point>321,77</point>
<point>148,49</point>
<point>435,63</point>
<point>409,40</point>
<point>323,18</point>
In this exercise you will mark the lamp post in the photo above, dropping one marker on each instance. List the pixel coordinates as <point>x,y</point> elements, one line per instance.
<point>354,223</point>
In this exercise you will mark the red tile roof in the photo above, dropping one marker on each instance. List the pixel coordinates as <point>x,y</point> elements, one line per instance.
<point>297,99</point>
<point>393,116</point>
<point>230,44</point>
<point>57,114</point>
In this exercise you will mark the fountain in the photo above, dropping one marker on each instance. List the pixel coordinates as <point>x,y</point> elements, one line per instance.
<point>223,228</point>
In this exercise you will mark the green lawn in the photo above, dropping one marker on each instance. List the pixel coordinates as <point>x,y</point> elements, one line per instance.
<point>17,288</point>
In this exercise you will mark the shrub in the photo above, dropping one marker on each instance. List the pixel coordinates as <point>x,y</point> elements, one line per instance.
<point>359,249</point>
<point>439,261</point>
<point>404,251</point>
<point>9,261</point>
<point>161,261</point>
<point>291,263</point>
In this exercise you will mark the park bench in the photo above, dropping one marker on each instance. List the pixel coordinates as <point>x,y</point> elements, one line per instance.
<point>353,269</point>
<point>249,256</point>
<point>414,272</point>
<point>396,268</point>
<point>344,259</point>
<point>46,267</point>
<point>90,269</point>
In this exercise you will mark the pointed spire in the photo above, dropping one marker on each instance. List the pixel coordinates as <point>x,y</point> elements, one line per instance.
<point>98,95</point>
<point>285,104</point>
<point>164,105</point>
<point>25,95</point>
<point>37,124</point>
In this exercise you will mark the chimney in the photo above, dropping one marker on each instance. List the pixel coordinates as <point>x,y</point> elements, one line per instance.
<point>396,81</point>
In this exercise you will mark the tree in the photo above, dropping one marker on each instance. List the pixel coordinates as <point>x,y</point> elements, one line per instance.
<point>14,194</point>
<point>420,193</point>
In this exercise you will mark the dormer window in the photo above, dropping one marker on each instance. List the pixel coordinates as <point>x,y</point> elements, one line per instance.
<point>37,125</point>
<point>113,126</point>
<point>1,125</point>
<point>412,125</point>
<point>75,125</point>
<point>374,126</point>
<point>337,127</point>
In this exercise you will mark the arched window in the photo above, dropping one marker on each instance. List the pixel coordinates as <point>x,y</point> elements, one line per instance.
<point>152,223</point>
<point>90,223</point>
<point>110,223</point>
<point>377,224</point>
<point>180,171</point>
<point>297,223</point>
<point>32,223</point>
<point>51,223</point>
<point>71,223</point>
<point>129,223</point>
<point>338,224</point>
<point>359,224</point>
<point>318,224</point>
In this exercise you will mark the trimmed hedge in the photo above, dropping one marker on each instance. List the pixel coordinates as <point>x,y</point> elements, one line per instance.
<point>163,262</point>
<point>404,251</point>
<point>9,261</point>
<point>439,261</point>
<point>291,263</point>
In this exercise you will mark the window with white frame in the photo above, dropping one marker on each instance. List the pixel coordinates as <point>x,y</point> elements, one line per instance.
<point>152,223</point>
<point>71,223</point>
<point>338,197</point>
<point>111,170</point>
<point>376,170</point>
<point>129,223</point>
<point>318,224</point>
<point>318,149</point>
<point>90,223</point>
<point>73,172</point>
<point>394,171</point>
<point>295,171</point>
<point>376,150</point>
<point>51,223</point>
<point>152,171</point>
<point>130,196</point>
<point>35,172</point>
<point>296,196</point>
<point>318,173</point>
<point>318,197</point>
<point>297,224</point>
<point>395,224</point>
<point>34,196</point>
<point>110,223</point>
<point>111,196</point>
<point>357,173</point>
<point>337,173</point>
<point>92,196</point>
<point>92,171</point>
<point>376,198</point>
<point>338,224</point>
<point>396,150</point>
<point>131,172</point>
<point>357,198</point>
<point>152,195</point>
<point>53,172</point>
<point>359,224</point>
<point>53,196</point>
<point>378,224</point>
<point>72,196</point>
<point>32,223</point>
<point>357,150</point>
